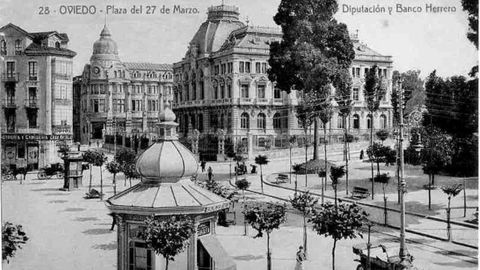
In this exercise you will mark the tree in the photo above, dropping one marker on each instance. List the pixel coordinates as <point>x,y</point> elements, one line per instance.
<point>325,115</point>
<point>376,153</point>
<point>384,179</point>
<point>13,237</point>
<point>305,203</point>
<point>305,117</point>
<point>382,135</point>
<point>114,167</point>
<point>342,222</point>
<point>63,148</point>
<point>315,50</point>
<point>125,157</point>
<point>261,160</point>
<point>243,185</point>
<point>98,160</point>
<point>471,7</point>
<point>130,172</point>
<point>335,174</point>
<point>265,218</point>
<point>451,191</point>
<point>374,91</point>
<point>292,140</point>
<point>435,156</point>
<point>89,157</point>
<point>168,237</point>
<point>413,91</point>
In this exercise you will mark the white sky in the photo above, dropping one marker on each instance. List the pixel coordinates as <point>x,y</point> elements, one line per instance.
<point>424,41</point>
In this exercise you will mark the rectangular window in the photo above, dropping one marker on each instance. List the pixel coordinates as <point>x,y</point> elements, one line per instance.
<point>230,67</point>
<point>353,72</point>
<point>247,67</point>
<point>32,71</point>
<point>241,67</point>
<point>366,72</point>
<point>202,90</point>
<point>258,67</point>
<point>261,91</point>
<point>276,93</point>
<point>10,69</point>
<point>224,68</point>
<point>216,69</point>
<point>244,90</point>
<point>18,47</point>
<point>264,67</point>
<point>357,71</point>
<point>355,94</point>
<point>229,91</point>
<point>101,105</point>
<point>21,149</point>
<point>140,258</point>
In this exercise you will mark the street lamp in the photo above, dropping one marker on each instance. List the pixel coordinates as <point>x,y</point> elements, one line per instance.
<point>2,59</point>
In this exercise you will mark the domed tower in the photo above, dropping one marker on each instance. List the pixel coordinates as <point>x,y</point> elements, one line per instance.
<point>105,49</point>
<point>166,190</point>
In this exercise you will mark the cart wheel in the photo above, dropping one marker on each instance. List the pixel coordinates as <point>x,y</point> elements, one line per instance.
<point>360,267</point>
<point>41,175</point>
<point>59,174</point>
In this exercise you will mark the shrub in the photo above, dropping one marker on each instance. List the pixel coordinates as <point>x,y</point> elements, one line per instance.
<point>313,166</point>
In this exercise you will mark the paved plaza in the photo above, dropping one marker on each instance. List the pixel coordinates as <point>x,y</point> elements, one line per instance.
<point>69,232</point>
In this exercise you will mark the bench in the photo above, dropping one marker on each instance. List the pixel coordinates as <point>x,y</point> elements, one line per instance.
<point>360,192</point>
<point>281,178</point>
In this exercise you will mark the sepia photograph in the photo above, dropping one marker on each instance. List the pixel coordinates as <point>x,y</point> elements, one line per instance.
<point>239,135</point>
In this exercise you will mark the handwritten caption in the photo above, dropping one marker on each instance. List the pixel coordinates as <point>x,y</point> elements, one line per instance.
<point>117,10</point>
<point>396,9</point>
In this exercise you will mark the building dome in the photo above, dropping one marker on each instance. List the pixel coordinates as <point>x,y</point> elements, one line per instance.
<point>166,161</point>
<point>105,48</point>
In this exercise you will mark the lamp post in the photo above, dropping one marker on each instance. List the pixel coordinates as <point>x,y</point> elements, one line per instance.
<point>2,59</point>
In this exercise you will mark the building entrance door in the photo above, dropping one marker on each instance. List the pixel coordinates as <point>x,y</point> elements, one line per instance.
<point>204,260</point>
<point>32,157</point>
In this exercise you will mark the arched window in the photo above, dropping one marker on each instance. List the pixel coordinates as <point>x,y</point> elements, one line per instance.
<point>57,45</point>
<point>356,121</point>
<point>261,121</point>
<point>244,121</point>
<point>277,121</point>
<point>383,121</point>
<point>340,121</point>
<point>3,47</point>
<point>369,121</point>
<point>18,46</point>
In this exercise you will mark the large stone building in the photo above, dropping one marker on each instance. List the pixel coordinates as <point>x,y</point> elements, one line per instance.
<point>119,101</point>
<point>222,83</point>
<point>36,93</point>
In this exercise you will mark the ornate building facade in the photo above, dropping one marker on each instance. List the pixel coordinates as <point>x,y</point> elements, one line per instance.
<point>36,95</point>
<point>222,83</point>
<point>120,101</point>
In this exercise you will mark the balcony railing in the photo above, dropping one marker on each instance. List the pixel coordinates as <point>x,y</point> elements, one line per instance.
<point>31,103</point>
<point>9,103</point>
<point>10,77</point>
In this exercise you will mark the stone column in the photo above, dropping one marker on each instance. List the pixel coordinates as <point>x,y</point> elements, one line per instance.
<point>250,145</point>
<point>122,244</point>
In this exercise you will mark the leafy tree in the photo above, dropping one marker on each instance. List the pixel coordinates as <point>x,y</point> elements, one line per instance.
<point>451,191</point>
<point>374,91</point>
<point>305,117</point>
<point>342,222</point>
<point>413,90</point>
<point>13,237</point>
<point>130,172</point>
<point>243,185</point>
<point>315,52</point>
<point>89,157</point>
<point>63,148</point>
<point>125,156</point>
<point>382,135</point>
<point>471,7</point>
<point>261,160</point>
<point>377,152</point>
<point>114,167</point>
<point>436,155</point>
<point>98,160</point>
<point>292,140</point>
<point>335,174</point>
<point>384,179</point>
<point>168,237</point>
<point>305,203</point>
<point>265,218</point>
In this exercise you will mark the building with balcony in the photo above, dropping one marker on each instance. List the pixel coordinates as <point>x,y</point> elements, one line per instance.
<point>36,93</point>
<point>120,101</point>
<point>222,83</point>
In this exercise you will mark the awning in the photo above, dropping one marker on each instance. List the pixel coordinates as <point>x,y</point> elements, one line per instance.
<point>221,258</point>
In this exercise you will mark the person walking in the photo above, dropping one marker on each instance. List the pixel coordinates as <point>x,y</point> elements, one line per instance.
<point>210,173</point>
<point>361,154</point>
<point>203,164</point>
<point>300,258</point>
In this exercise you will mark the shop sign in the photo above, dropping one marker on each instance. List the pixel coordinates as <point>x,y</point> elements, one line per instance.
<point>36,137</point>
<point>203,228</point>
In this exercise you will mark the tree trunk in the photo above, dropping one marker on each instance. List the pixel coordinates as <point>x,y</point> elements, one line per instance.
<point>315,139</point>
<point>305,234</point>
<point>269,259</point>
<point>290,164</point>
<point>101,183</point>
<point>464,198</point>
<point>384,204</point>
<point>335,192</point>
<point>325,152</point>
<point>261,177</point>
<point>371,159</point>
<point>449,232</point>
<point>346,157</point>
<point>166,264</point>
<point>429,192</point>
<point>90,182</point>
<point>244,219</point>
<point>333,253</point>
<point>378,167</point>
<point>433,179</point>
<point>114,184</point>
<point>306,160</point>
<point>125,182</point>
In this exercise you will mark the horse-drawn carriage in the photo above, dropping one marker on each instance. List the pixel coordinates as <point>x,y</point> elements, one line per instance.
<point>48,172</point>
<point>382,257</point>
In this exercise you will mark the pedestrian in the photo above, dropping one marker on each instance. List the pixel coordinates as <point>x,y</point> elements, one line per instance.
<point>98,144</point>
<point>300,258</point>
<point>78,146</point>
<point>114,221</point>
<point>203,164</point>
<point>210,173</point>
<point>361,154</point>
